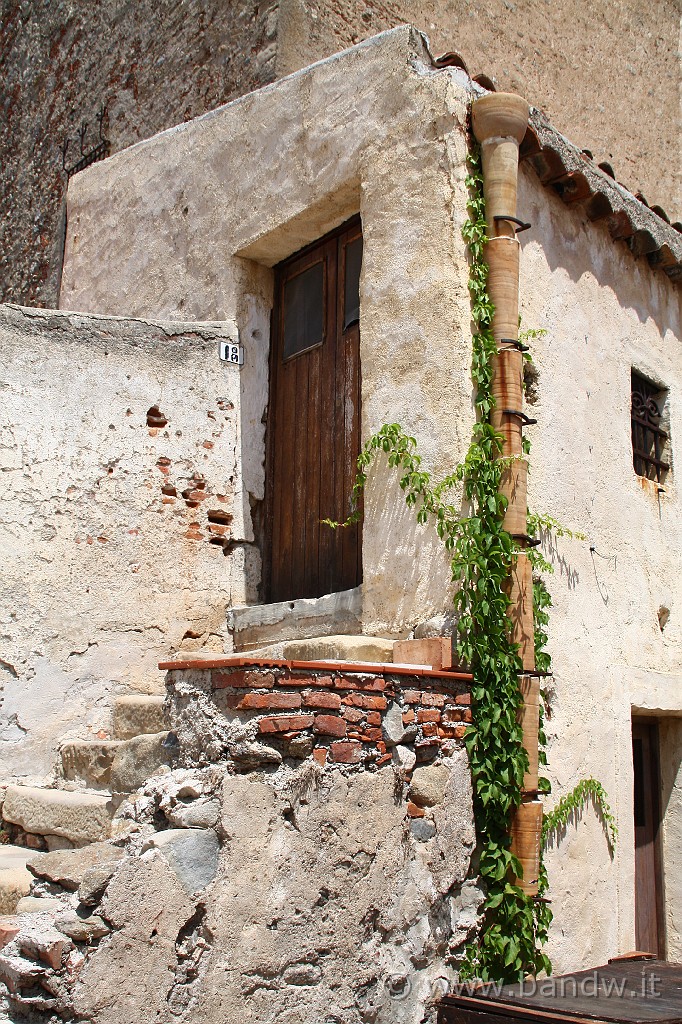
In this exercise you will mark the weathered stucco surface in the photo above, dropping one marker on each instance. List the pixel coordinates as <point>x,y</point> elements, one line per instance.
<point>105,565</point>
<point>605,313</point>
<point>174,228</point>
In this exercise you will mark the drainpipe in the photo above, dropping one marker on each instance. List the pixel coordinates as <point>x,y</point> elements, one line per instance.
<point>499,124</point>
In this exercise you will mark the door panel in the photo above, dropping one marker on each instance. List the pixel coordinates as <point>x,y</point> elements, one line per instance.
<point>649,928</point>
<point>314,421</point>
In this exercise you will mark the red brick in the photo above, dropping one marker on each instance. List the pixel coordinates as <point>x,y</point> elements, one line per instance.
<point>353,735</point>
<point>414,811</point>
<point>430,729</point>
<point>320,755</point>
<point>433,700</point>
<point>307,681</point>
<point>329,725</point>
<point>446,732</point>
<point>353,715</point>
<point>430,715</point>
<point>371,735</point>
<point>374,718</point>
<point>373,685</point>
<point>270,701</point>
<point>452,715</point>
<point>460,731</point>
<point>381,747</point>
<point>322,700</point>
<point>412,696</point>
<point>463,698</point>
<point>365,700</point>
<point>242,679</point>
<point>408,716</point>
<point>384,759</point>
<point>346,752</point>
<point>9,927</point>
<point>282,723</point>
<point>467,716</point>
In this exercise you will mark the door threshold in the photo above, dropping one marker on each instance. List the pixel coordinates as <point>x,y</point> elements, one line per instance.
<point>259,625</point>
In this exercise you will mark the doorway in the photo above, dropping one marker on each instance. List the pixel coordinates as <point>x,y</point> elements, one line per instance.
<point>649,919</point>
<point>314,420</point>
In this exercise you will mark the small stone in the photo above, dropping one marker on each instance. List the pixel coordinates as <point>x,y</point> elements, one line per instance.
<point>80,929</point>
<point>49,946</point>
<point>199,814</point>
<point>192,853</point>
<point>38,905</point>
<point>95,881</point>
<point>251,756</point>
<point>302,974</point>
<point>68,867</point>
<point>428,785</point>
<point>422,829</point>
<point>404,758</point>
<point>9,927</point>
<point>393,729</point>
<point>301,746</point>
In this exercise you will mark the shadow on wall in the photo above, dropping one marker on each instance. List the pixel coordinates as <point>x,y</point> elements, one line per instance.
<point>570,242</point>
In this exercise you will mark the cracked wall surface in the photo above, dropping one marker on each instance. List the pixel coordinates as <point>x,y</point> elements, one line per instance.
<point>119,540</point>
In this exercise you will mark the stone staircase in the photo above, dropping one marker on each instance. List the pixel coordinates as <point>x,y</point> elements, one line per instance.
<point>92,778</point>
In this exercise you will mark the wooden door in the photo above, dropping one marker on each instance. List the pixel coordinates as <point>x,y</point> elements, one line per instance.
<point>314,420</point>
<point>649,928</point>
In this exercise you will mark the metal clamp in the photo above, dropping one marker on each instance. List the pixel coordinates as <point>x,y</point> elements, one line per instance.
<point>530,542</point>
<point>517,344</point>
<point>521,225</point>
<point>526,420</point>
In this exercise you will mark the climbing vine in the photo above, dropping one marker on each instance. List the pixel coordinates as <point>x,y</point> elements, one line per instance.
<point>514,926</point>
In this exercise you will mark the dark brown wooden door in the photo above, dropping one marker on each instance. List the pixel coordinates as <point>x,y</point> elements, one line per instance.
<point>649,929</point>
<point>314,420</point>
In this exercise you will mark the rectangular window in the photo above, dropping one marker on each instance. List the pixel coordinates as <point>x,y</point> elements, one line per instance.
<point>650,438</point>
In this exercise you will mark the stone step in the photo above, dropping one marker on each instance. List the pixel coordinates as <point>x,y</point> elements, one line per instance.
<point>117,766</point>
<point>348,648</point>
<point>78,818</point>
<point>89,762</point>
<point>138,713</point>
<point>15,878</point>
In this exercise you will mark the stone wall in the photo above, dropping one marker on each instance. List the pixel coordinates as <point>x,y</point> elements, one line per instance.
<point>121,534</point>
<point>273,888</point>
<point>608,77</point>
<point>153,64</point>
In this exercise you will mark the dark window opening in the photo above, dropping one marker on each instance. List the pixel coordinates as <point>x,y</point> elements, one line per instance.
<point>303,317</point>
<point>351,304</point>
<point>650,439</point>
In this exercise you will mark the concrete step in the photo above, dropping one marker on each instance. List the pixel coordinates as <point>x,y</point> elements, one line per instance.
<point>78,818</point>
<point>138,713</point>
<point>15,878</point>
<point>118,766</point>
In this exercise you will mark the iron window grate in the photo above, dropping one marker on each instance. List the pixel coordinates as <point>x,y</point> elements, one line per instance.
<point>649,439</point>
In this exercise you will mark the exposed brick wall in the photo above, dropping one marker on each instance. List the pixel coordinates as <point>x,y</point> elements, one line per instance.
<point>340,716</point>
<point>155,63</point>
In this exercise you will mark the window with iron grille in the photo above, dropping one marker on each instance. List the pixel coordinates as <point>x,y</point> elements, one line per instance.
<point>650,438</point>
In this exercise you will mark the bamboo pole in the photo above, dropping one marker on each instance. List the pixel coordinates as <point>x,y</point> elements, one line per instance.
<point>499,123</point>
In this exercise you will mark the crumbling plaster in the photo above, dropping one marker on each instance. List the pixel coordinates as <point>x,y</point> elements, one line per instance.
<point>106,566</point>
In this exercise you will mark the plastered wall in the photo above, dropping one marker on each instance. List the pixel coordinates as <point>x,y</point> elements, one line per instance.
<point>376,130</point>
<point>604,314</point>
<point>119,541</point>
